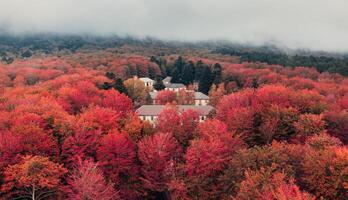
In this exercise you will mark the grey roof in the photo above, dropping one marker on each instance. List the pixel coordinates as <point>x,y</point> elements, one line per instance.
<point>175,85</point>
<point>200,95</point>
<point>153,95</point>
<point>167,79</point>
<point>155,110</point>
<point>146,79</point>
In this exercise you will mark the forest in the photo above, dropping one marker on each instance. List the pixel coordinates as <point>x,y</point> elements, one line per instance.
<point>69,130</point>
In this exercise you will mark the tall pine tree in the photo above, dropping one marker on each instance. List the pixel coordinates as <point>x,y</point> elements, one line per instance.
<point>177,70</point>
<point>199,70</point>
<point>188,73</point>
<point>159,84</point>
<point>206,80</point>
<point>119,86</point>
<point>217,70</point>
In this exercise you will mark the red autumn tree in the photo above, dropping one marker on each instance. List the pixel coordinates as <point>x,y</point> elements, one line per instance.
<point>325,172</point>
<point>189,122</point>
<point>241,99</point>
<point>308,125</point>
<point>168,120</point>
<point>34,177</point>
<point>10,149</point>
<point>267,185</point>
<point>134,126</point>
<point>87,182</point>
<point>90,126</point>
<point>181,125</point>
<point>19,81</point>
<point>185,97</point>
<point>323,141</point>
<point>274,94</point>
<point>207,158</point>
<point>98,118</point>
<point>158,155</point>
<point>81,95</point>
<point>117,101</point>
<point>28,119</point>
<point>212,128</point>
<point>72,99</point>
<point>241,120</point>
<point>83,145</point>
<point>4,120</point>
<point>178,190</point>
<point>165,96</point>
<point>337,124</point>
<point>117,158</point>
<point>216,93</point>
<point>35,140</point>
<point>275,122</point>
<point>45,112</point>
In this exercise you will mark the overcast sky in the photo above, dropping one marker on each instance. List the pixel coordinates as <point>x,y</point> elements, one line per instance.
<point>313,24</point>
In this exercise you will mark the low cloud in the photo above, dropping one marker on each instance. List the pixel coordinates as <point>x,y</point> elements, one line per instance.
<point>311,24</point>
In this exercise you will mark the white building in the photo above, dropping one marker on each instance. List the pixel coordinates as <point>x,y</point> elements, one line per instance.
<point>176,87</point>
<point>148,82</point>
<point>200,98</point>
<point>151,112</point>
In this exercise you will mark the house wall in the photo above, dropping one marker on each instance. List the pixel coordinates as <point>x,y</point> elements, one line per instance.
<point>149,84</point>
<point>174,89</point>
<point>202,118</point>
<point>201,102</point>
<point>153,119</point>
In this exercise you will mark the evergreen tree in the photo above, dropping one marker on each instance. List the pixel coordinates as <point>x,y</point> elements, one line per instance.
<point>188,73</point>
<point>217,73</point>
<point>106,86</point>
<point>131,71</point>
<point>110,75</point>
<point>206,81</point>
<point>154,60</point>
<point>199,70</point>
<point>140,73</point>
<point>177,70</point>
<point>152,73</point>
<point>162,64</point>
<point>159,84</point>
<point>176,76</point>
<point>119,86</point>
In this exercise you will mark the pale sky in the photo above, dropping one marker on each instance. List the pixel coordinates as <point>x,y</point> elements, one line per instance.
<point>312,24</point>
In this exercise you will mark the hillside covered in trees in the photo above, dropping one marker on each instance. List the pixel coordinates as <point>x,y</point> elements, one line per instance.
<point>69,130</point>
<point>12,47</point>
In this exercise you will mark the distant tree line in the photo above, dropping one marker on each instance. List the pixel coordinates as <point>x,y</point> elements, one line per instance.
<point>321,63</point>
<point>12,47</point>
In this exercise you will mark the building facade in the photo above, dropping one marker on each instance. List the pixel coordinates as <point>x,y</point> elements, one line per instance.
<point>151,112</point>
<point>148,82</point>
<point>175,87</point>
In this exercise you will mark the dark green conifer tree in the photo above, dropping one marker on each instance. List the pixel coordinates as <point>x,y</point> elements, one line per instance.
<point>206,81</point>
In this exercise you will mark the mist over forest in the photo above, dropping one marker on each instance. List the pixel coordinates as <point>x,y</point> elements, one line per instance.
<point>27,45</point>
<point>174,100</point>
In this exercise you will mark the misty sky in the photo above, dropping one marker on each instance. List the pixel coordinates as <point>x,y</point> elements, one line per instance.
<point>313,24</point>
